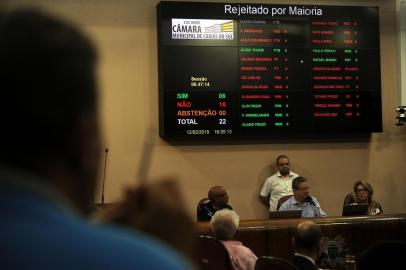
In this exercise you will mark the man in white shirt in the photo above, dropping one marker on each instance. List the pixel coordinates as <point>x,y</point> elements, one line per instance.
<point>278,185</point>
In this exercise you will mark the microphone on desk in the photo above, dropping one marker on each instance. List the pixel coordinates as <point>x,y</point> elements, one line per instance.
<point>104,175</point>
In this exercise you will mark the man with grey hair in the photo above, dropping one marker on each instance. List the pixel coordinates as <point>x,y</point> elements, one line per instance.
<point>307,245</point>
<point>301,199</point>
<point>224,226</point>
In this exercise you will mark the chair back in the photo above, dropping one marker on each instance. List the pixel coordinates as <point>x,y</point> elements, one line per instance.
<point>274,263</point>
<point>389,254</point>
<point>282,200</point>
<point>349,199</point>
<point>199,207</point>
<point>212,254</point>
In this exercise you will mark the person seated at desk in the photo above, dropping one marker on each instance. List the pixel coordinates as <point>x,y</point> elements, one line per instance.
<point>218,199</point>
<point>362,194</point>
<point>301,200</point>
<point>224,226</point>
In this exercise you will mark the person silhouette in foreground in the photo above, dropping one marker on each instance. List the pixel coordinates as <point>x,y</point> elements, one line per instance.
<point>388,254</point>
<point>49,158</point>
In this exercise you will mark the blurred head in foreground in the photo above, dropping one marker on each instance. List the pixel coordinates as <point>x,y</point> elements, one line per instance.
<point>48,102</point>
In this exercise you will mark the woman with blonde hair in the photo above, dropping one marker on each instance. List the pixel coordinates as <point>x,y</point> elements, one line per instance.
<point>362,194</point>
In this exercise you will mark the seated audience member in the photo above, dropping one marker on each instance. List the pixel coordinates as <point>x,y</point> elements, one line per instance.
<point>277,185</point>
<point>382,255</point>
<point>301,200</point>
<point>307,245</point>
<point>218,199</point>
<point>224,226</point>
<point>362,194</point>
<point>50,150</point>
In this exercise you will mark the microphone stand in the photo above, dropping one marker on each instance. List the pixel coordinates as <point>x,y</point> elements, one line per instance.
<point>104,175</point>
<point>311,202</point>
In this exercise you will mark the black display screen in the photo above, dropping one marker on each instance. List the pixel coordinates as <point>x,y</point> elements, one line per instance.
<point>267,71</point>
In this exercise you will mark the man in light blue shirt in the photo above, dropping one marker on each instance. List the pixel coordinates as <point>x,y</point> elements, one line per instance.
<point>301,200</point>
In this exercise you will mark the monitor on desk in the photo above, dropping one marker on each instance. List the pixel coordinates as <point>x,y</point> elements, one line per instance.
<point>285,214</point>
<point>355,209</point>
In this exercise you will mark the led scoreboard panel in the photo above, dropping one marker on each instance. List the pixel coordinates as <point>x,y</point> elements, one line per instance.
<point>263,70</point>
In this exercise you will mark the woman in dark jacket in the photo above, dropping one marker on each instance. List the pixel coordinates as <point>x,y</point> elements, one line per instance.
<point>362,194</point>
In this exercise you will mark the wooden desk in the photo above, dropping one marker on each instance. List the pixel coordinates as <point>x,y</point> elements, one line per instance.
<point>351,234</point>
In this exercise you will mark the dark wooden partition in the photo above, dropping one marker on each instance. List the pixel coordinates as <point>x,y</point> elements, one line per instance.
<point>348,235</point>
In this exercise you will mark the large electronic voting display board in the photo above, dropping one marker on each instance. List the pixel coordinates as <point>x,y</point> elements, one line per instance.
<point>251,71</point>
